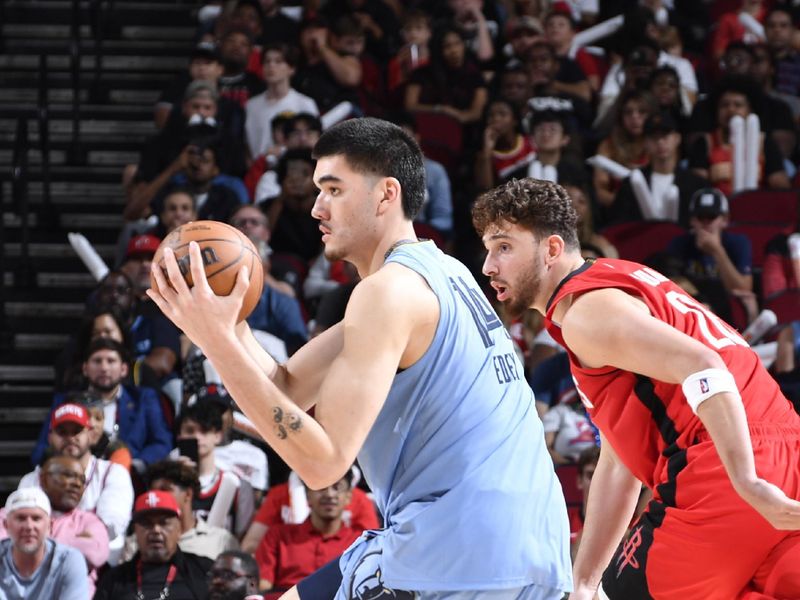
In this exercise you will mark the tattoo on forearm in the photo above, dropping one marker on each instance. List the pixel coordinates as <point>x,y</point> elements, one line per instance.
<point>285,423</point>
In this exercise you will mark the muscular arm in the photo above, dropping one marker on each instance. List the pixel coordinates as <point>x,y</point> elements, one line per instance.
<point>629,338</point>
<point>613,485</point>
<point>353,391</point>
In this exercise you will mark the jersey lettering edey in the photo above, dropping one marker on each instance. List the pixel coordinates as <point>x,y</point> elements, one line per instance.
<point>642,417</point>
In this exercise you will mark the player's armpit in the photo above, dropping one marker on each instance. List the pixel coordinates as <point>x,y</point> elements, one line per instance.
<point>608,327</point>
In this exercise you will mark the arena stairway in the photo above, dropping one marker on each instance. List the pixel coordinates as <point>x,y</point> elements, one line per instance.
<point>143,45</point>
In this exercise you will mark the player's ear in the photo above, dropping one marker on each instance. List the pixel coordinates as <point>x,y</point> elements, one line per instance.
<point>555,248</point>
<point>390,193</point>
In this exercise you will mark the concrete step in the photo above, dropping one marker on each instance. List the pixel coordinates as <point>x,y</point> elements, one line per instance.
<point>59,157</point>
<point>69,310</point>
<point>37,374</point>
<point>30,62</point>
<point>54,250</point>
<point>23,414</point>
<point>71,221</point>
<point>30,95</point>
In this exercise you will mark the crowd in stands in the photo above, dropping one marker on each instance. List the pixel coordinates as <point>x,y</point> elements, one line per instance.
<point>673,145</point>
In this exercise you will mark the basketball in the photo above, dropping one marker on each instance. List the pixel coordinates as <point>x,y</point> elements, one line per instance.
<point>224,250</point>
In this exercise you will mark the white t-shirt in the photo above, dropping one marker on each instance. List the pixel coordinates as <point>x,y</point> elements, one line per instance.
<point>246,460</point>
<point>665,206</point>
<point>260,112</point>
<point>615,78</point>
<point>574,433</point>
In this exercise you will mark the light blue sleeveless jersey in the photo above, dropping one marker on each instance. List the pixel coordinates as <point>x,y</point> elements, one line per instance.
<point>456,458</point>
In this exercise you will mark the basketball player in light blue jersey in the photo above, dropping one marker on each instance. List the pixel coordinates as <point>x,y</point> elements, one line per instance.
<point>419,382</point>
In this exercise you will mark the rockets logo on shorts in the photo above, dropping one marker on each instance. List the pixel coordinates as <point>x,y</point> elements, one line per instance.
<point>629,548</point>
<point>704,385</point>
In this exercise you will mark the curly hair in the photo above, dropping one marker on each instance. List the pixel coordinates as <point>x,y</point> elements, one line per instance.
<point>542,206</point>
<point>177,473</point>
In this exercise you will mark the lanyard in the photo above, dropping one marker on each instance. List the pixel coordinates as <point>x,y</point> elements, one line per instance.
<point>164,592</point>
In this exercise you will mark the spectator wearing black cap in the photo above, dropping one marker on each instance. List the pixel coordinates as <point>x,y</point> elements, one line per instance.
<point>160,569</point>
<point>713,257</point>
<point>662,144</point>
<point>711,155</point>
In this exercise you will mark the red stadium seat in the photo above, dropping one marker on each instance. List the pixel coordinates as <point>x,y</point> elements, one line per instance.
<point>639,240</point>
<point>785,305</point>
<point>775,207</point>
<point>760,234</point>
<point>441,137</point>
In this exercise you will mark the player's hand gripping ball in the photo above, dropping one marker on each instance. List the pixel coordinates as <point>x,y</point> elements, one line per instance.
<point>224,249</point>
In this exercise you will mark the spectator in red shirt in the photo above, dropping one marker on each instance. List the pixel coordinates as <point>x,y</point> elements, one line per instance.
<point>587,463</point>
<point>282,506</point>
<point>288,553</point>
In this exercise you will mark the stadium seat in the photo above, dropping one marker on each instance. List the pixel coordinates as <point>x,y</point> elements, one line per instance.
<point>774,207</point>
<point>785,305</point>
<point>441,138</point>
<point>639,240</point>
<point>760,234</point>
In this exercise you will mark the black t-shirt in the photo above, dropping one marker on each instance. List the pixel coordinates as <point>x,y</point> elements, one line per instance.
<point>698,156</point>
<point>569,71</point>
<point>776,114</point>
<point>190,583</point>
<point>281,28</point>
<point>451,87</point>
<point>241,87</point>
<point>317,82</point>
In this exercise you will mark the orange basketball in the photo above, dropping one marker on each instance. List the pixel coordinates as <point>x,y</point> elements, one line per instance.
<point>224,250</point>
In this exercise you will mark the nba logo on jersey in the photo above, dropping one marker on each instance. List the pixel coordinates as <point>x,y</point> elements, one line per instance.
<point>704,385</point>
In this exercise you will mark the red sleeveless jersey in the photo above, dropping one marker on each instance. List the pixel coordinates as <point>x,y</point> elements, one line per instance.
<point>645,420</point>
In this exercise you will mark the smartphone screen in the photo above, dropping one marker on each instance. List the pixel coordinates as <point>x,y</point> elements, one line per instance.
<point>188,447</point>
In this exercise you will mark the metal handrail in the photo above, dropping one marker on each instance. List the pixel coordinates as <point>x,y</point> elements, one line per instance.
<point>24,276</point>
<point>43,118</point>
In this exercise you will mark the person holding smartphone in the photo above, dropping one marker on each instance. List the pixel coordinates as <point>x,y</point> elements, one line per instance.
<point>199,432</point>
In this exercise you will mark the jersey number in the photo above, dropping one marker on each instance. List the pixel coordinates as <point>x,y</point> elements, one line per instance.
<point>482,314</point>
<point>716,332</point>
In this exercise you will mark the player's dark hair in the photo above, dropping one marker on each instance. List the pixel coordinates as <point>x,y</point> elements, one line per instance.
<point>176,472</point>
<point>376,147</point>
<point>541,206</point>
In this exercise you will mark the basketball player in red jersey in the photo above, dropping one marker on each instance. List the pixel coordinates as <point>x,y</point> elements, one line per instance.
<point>682,404</point>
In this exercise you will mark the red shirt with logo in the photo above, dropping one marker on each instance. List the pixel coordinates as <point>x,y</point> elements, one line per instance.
<point>645,420</point>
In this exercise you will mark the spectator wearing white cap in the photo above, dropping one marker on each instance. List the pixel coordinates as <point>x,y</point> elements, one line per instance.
<point>62,481</point>
<point>31,565</point>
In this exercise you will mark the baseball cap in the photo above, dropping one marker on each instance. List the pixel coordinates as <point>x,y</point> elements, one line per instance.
<point>212,393</point>
<point>32,497</point>
<point>142,244</point>
<point>708,202</point>
<point>207,50</point>
<point>155,500</point>
<point>660,124</point>
<point>69,413</point>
